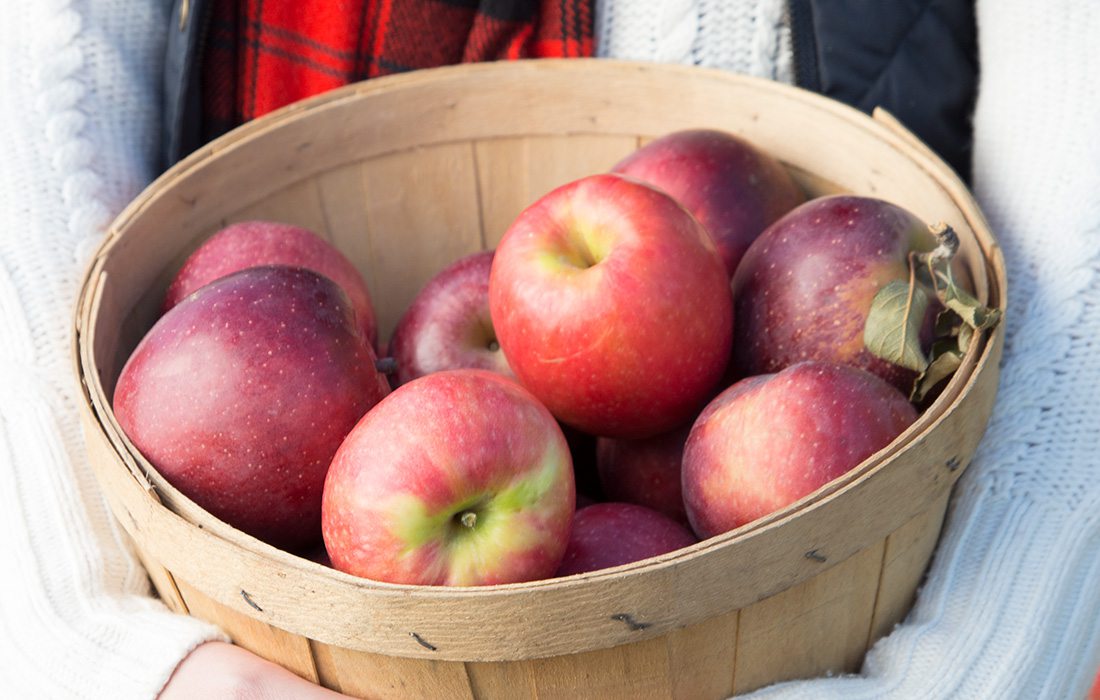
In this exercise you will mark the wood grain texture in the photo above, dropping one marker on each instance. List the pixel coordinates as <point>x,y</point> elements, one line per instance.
<point>905,559</point>
<point>298,204</point>
<point>422,214</point>
<point>356,161</point>
<point>514,172</point>
<point>807,630</point>
<point>163,583</point>
<point>379,677</point>
<point>290,651</point>
<point>508,680</point>
<point>343,193</point>
<point>620,673</point>
<point>701,658</point>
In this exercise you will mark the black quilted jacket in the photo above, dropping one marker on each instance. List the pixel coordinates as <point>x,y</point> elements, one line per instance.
<point>916,58</point>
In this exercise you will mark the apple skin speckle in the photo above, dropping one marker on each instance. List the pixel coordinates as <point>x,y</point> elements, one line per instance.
<point>612,534</point>
<point>613,307</point>
<point>448,326</point>
<point>254,243</point>
<point>769,440</point>
<point>445,446</point>
<point>731,187</point>
<point>804,287</point>
<point>241,394</point>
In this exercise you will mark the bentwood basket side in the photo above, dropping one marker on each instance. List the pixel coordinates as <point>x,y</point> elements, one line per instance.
<point>405,174</point>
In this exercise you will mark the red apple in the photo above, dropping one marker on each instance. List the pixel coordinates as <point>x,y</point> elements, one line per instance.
<point>733,188</point>
<point>447,326</point>
<point>804,288</point>
<point>612,306</point>
<point>645,472</point>
<point>769,440</point>
<point>241,394</point>
<point>612,534</point>
<point>458,478</point>
<point>250,243</point>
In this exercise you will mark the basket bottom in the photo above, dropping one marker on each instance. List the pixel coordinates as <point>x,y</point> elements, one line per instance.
<point>825,624</point>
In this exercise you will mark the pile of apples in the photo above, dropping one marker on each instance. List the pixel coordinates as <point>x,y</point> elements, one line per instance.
<point>685,333</point>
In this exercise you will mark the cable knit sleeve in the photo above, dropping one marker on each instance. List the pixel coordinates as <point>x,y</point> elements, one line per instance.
<point>1011,607</point>
<point>79,110</point>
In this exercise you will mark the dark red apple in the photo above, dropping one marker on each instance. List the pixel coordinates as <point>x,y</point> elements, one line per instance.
<point>612,306</point>
<point>769,440</point>
<point>250,243</point>
<point>645,472</point>
<point>447,326</point>
<point>612,534</point>
<point>241,394</point>
<point>804,288</point>
<point>458,478</point>
<point>732,187</point>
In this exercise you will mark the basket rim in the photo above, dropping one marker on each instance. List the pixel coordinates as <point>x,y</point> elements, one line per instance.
<point>981,356</point>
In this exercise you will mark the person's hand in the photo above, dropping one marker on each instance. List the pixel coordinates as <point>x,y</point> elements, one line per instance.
<point>223,671</point>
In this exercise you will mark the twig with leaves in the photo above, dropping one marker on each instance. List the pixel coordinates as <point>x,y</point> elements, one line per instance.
<point>892,331</point>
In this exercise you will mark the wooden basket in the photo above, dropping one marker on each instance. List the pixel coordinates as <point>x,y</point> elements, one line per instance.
<point>406,174</point>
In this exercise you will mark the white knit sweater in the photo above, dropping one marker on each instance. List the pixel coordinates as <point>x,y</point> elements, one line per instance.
<point>1012,606</point>
<point>78,128</point>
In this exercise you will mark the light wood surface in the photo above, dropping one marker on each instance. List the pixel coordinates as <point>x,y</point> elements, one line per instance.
<point>406,174</point>
<point>811,629</point>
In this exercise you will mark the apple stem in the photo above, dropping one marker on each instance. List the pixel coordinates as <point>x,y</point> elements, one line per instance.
<point>469,519</point>
<point>947,243</point>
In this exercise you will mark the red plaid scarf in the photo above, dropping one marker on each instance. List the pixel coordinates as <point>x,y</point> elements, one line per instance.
<point>259,55</point>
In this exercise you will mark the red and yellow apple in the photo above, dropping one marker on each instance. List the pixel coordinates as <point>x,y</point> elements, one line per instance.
<point>457,478</point>
<point>241,394</point>
<point>771,439</point>
<point>251,243</point>
<point>733,188</point>
<point>612,306</point>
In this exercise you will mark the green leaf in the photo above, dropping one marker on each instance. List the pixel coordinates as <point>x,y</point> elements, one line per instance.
<point>965,334</point>
<point>970,309</point>
<point>892,331</point>
<point>938,370</point>
<point>942,346</point>
<point>947,324</point>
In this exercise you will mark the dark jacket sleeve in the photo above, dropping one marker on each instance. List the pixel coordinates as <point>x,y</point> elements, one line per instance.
<point>915,58</point>
<point>182,98</point>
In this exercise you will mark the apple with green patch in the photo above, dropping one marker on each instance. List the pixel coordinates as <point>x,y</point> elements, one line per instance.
<point>458,478</point>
